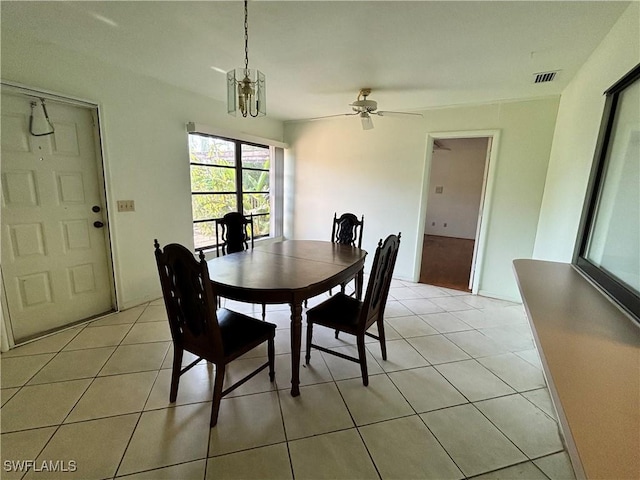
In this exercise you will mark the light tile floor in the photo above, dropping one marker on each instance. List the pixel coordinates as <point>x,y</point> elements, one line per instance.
<point>461,395</point>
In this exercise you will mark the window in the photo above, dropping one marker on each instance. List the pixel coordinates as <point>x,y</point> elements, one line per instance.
<point>228,176</point>
<point>608,249</point>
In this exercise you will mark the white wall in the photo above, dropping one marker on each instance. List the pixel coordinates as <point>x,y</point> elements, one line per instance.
<point>579,118</point>
<point>335,166</point>
<point>460,172</point>
<point>145,147</point>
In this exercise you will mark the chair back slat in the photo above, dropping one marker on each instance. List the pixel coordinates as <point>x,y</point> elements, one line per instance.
<point>380,280</point>
<point>232,233</point>
<point>189,299</point>
<point>347,230</point>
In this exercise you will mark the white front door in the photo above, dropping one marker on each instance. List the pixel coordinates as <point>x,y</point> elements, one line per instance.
<point>55,263</point>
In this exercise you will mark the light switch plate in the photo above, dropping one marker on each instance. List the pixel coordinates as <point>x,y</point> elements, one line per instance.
<point>126,206</point>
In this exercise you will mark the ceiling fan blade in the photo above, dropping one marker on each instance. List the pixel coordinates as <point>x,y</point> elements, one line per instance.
<point>382,113</point>
<point>367,123</point>
<point>333,116</point>
<point>437,145</point>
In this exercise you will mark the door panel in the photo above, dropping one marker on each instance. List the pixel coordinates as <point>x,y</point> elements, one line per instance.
<point>55,262</point>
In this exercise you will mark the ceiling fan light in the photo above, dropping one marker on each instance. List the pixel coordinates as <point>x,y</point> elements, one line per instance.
<point>367,123</point>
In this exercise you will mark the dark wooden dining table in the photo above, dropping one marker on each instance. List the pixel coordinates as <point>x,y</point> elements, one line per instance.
<point>290,271</point>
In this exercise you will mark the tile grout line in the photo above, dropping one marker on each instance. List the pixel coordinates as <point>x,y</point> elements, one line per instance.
<point>277,390</point>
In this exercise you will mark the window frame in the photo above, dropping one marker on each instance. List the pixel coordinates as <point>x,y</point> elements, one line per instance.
<point>239,192</point>
<point>626,298</point>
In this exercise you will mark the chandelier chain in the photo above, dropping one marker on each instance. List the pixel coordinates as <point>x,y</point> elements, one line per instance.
<point>246,94</point>
<point>246,36</point>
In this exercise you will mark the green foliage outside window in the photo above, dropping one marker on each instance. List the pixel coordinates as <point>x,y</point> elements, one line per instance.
<point>214,185</point>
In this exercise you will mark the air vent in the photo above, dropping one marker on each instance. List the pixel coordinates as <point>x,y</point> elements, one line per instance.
<point>544,77</point>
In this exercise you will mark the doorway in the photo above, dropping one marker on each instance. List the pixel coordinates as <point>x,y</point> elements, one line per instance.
<point>456,188</point>
<point>56,262</point>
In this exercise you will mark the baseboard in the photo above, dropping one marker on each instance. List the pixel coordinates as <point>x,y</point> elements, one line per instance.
<point>497,296</point>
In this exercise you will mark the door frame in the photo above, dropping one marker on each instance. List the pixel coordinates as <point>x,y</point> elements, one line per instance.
<point>6,332</point>
<point>487,200</point>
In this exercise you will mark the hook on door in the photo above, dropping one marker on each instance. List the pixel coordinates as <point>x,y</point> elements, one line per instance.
<point>46,115</point>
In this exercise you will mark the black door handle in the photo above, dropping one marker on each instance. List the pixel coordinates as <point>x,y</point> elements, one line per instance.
<point>98,224</point>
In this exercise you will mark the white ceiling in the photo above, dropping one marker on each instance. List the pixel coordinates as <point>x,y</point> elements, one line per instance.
<point>316,55</point>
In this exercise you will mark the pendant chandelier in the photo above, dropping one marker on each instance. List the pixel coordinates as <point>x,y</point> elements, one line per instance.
<point>246,88</point>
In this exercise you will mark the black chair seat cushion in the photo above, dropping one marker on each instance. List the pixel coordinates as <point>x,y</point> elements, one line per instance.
<point>238,331</point>
<point>338,312</point>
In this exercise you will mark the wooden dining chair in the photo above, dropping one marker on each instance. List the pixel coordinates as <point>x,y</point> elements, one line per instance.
<point>217,336</point>
<point>347,230</point>
<point>344,313</point>
<point>234,233</point>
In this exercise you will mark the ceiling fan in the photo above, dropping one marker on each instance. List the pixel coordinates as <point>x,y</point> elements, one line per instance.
<point>364,108</point>
<point>438,145</point>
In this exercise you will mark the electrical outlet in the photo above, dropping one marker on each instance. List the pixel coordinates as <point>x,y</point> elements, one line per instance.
<point>439,188</point>
<point>126,206</point>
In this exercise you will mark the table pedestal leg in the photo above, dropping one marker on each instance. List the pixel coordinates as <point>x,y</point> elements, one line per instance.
<point>296,344</point>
